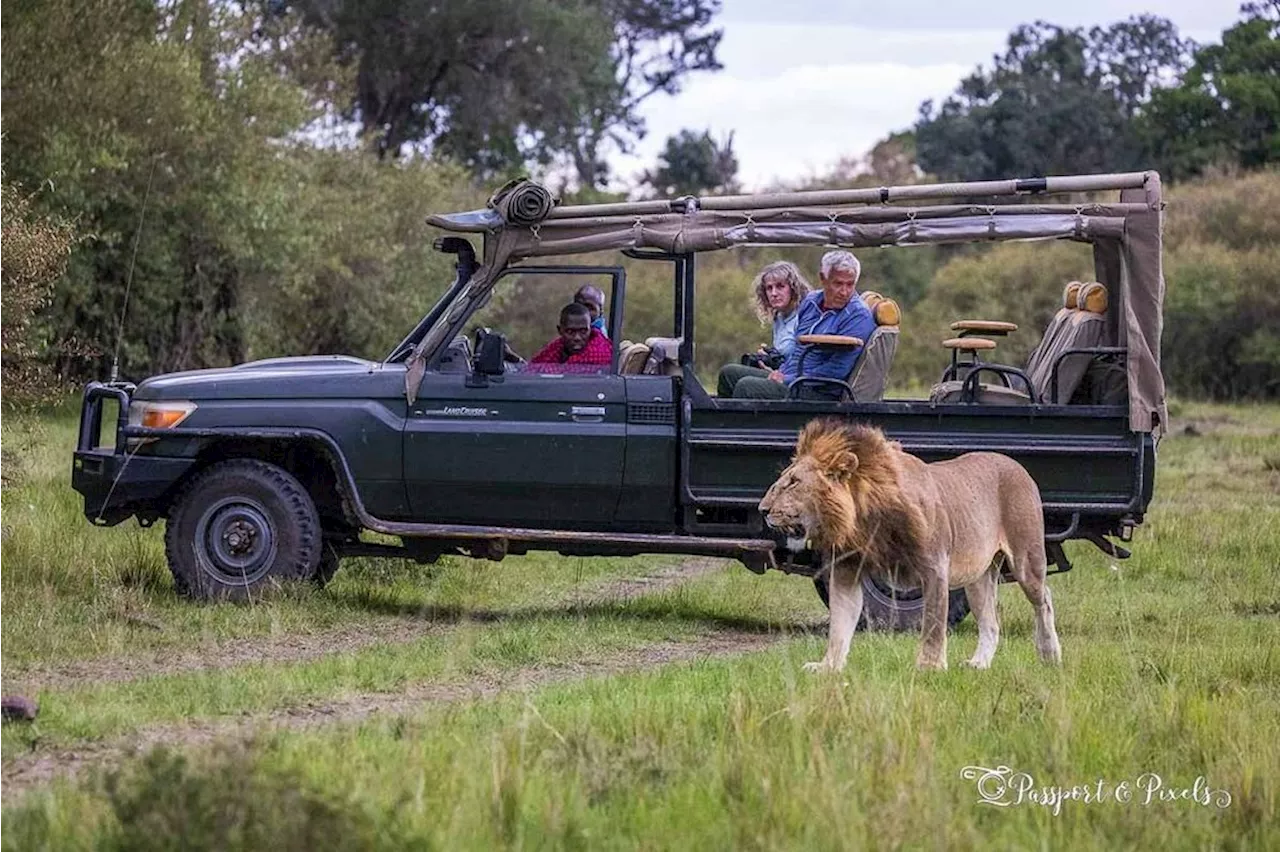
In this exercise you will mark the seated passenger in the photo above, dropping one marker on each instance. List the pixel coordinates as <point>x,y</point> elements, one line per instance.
<point>592,298</point>
<point>777,292</point>
<point>579,348</point>
<point>835,309</point>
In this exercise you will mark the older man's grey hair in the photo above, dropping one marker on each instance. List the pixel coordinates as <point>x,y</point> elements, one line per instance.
<point>841,260</point>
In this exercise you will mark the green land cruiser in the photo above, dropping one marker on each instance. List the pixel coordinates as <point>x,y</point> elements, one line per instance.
<point>271,470</point>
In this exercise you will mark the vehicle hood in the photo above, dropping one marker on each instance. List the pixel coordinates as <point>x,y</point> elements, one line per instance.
<point>312,376</point>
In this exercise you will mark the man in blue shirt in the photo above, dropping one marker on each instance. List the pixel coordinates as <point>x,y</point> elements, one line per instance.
<point>835,309</point>
<point>592,298</point>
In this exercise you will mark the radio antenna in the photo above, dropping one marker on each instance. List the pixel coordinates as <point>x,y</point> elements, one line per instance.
<point>128,282</point>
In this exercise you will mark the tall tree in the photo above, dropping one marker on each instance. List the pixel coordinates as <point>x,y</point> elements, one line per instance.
<point>1059,100</point>
<point>1227,109</point>
<point>693,163</point>
<point>497,84</point>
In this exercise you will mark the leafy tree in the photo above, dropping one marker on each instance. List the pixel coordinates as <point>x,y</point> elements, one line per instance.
<point>180,129</point>
<point>497,84</point>
<point>132,120</point>
<point>35,255</point>
<point>693,163</point>
<point>1227,109</point>
<point>1060,100</point>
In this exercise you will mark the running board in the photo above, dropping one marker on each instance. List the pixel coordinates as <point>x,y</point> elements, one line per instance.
<point>495,542</point>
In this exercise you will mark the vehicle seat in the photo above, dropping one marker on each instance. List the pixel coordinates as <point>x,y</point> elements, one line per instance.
<point>1074,327</point>
<point>1039,355</point>
<point>870,375</point>
<point>457,357</point>
<point>631,358</point>
<point>1086,328</point>
<point>666,352</point>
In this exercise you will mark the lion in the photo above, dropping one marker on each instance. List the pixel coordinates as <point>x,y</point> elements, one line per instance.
<point>868,506</point>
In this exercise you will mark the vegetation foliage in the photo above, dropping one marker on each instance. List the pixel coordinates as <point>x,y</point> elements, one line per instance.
<point>1124,97</point>
<point>496,84</point>
<point>693,163</point>
<point>208,136</point>
<point>35,255</point>
<point>1059,101</point>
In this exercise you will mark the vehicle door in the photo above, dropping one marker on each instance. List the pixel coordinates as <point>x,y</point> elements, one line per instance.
<point>537,449</point>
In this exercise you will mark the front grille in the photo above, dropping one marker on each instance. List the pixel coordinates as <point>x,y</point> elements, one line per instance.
<point>651,412</point>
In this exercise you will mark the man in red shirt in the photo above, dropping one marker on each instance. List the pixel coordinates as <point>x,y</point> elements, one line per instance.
<point>579,348</point>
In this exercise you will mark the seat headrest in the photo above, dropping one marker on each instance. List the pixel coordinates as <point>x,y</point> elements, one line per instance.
<point>887,312</point>
<point>631,357</point>
<point>871,298</point>
<point>1070,294</point>
<point>1093,298</point>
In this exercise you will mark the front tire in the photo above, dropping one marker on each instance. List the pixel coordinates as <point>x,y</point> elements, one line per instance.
<point>239,528</point>
<point>886,608</point>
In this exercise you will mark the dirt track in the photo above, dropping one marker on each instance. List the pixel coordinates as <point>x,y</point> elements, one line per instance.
<point>295,648</point>
<point>41,766</point>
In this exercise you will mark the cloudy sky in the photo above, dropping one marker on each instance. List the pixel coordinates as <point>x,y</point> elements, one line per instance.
<point>806,81</point>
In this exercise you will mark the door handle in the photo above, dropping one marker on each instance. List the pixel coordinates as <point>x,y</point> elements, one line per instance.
<point>587,413</point>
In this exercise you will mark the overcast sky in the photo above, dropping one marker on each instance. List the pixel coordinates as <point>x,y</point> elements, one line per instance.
<point>806,81</point>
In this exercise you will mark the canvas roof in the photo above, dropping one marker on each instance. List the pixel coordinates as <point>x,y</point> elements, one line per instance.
<point>522,221</point>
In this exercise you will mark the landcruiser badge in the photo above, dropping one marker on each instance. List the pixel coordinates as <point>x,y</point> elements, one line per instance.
<point>458,411</point>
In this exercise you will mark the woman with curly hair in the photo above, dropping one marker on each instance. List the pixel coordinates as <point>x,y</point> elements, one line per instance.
<point>776,295</point>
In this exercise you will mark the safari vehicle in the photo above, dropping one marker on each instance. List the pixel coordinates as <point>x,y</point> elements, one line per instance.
<point>272,470</point>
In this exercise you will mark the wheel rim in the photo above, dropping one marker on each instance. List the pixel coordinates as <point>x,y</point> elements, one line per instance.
<point>235,541</point>
<point>890,591</point>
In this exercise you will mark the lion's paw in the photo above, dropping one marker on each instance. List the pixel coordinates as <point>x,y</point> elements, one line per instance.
<point>975,663</point>
<point>820,667</point>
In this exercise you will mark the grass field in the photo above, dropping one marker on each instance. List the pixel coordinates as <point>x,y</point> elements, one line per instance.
<point>650,702</point>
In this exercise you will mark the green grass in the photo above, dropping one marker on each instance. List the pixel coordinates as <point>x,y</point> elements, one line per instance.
<point>1171,666</point>
<point>73,591</point>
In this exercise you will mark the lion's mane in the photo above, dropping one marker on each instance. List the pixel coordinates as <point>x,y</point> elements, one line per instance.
<point>861,504</point>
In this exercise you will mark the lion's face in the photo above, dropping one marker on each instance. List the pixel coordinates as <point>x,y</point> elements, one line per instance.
<point>802,498</point>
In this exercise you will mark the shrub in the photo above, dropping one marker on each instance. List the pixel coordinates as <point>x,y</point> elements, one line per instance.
<point>1222,307</point>
<point>35,255</point>
<point>234,802</point>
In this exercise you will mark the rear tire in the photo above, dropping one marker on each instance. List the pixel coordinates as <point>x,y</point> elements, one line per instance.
<point>239,528</point>
<point>883,609</point>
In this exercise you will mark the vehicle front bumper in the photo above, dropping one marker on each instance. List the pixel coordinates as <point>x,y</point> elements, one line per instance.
<point>117,484</point>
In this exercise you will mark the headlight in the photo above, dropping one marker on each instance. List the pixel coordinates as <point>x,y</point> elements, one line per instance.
<point>159,415</point>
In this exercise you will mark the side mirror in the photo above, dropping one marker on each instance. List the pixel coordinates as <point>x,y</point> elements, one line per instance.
<point>488,359</point>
